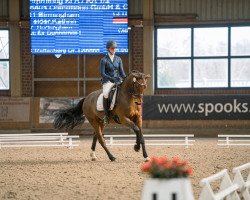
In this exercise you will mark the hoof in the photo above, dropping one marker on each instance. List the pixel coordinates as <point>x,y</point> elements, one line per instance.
<point>112,159</point>
<point>147,159</point>
<point>93,156</point>
<point>137,148</point>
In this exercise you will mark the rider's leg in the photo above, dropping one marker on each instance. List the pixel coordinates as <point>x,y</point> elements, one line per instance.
<point>106,111</point>
<point>106,89</point>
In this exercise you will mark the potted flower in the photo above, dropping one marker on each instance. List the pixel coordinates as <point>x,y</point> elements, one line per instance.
<point>168,179</point>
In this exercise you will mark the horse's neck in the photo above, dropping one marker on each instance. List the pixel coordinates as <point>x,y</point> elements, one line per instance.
<point>126,87</point>
<point>125,90</point>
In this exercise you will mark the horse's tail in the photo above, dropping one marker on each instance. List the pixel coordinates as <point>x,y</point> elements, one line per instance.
<point>69,118</point>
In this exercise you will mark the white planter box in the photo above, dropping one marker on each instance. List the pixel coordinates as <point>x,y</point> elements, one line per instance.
<point>167,189</point>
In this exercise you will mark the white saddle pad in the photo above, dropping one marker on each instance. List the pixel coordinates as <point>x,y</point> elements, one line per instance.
<point>99,103</point>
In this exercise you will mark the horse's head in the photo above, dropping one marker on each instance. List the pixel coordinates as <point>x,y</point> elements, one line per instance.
<point>137,83</point>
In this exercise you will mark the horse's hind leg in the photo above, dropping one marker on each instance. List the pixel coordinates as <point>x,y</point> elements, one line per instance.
<point>92,154</point>
<point>103,144</point>
<point>98,135</point>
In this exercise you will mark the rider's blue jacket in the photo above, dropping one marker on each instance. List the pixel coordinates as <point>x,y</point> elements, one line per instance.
<point>111,71</point>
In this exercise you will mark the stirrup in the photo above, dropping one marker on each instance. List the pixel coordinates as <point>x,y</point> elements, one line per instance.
<point>105,120</point>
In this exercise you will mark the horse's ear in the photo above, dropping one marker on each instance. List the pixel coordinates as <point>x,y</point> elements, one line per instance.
<point>136,75</point>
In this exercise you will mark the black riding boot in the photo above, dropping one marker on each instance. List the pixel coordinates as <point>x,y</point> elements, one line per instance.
<point>106,111</point>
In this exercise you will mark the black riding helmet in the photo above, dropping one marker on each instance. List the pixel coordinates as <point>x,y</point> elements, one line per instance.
<point>111,44</point>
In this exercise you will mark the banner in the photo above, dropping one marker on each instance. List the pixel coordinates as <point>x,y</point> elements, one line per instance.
<point>210,107</point>
<point>14,109</point>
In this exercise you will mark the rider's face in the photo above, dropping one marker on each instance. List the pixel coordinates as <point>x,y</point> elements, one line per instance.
<point>112,50</point>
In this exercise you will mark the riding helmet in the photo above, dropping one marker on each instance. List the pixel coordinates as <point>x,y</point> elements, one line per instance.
<point>111,44</point>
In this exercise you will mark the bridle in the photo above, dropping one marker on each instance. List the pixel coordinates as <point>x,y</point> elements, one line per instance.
<point>135,94</point>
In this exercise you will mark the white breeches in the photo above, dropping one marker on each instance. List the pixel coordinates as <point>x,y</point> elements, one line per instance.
<point>106,87</point>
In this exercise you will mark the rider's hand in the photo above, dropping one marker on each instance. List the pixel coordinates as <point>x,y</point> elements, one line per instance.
<point>112,80</point>
<point>118,81</point>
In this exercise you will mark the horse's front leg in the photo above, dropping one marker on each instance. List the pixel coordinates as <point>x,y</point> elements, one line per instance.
<point>137,146</point>
<point>145,155</point>
<point>139,137</point>
<point>138,123</point>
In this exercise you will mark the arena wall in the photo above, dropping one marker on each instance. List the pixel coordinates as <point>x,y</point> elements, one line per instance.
<point>76,76</point>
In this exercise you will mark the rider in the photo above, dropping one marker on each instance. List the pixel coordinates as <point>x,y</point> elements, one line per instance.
<point>112,73</point>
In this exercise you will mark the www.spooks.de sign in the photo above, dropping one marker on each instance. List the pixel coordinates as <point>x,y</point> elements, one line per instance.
<point>196,107</point>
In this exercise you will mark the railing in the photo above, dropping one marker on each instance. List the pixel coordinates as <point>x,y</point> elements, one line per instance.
<point>152,139</point>
<point>234,140</point>
<point>39,140</point>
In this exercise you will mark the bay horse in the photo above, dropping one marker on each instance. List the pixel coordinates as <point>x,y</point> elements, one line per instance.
<point>128,111</point>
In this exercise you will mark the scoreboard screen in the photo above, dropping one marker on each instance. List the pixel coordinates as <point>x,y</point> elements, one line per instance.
<point>78,26</point>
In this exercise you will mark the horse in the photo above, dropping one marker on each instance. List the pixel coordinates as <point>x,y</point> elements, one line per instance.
<point>127,111</point>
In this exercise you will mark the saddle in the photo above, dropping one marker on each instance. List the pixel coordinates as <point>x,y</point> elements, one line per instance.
<point>111,99</point>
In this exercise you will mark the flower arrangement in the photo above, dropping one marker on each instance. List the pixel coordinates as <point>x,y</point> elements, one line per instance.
<point>165,168</point>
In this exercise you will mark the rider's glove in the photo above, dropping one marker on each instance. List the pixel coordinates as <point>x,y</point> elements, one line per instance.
<point>112,80</point>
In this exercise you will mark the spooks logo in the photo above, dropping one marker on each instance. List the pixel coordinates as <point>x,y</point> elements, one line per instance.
<point>234,107</point>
